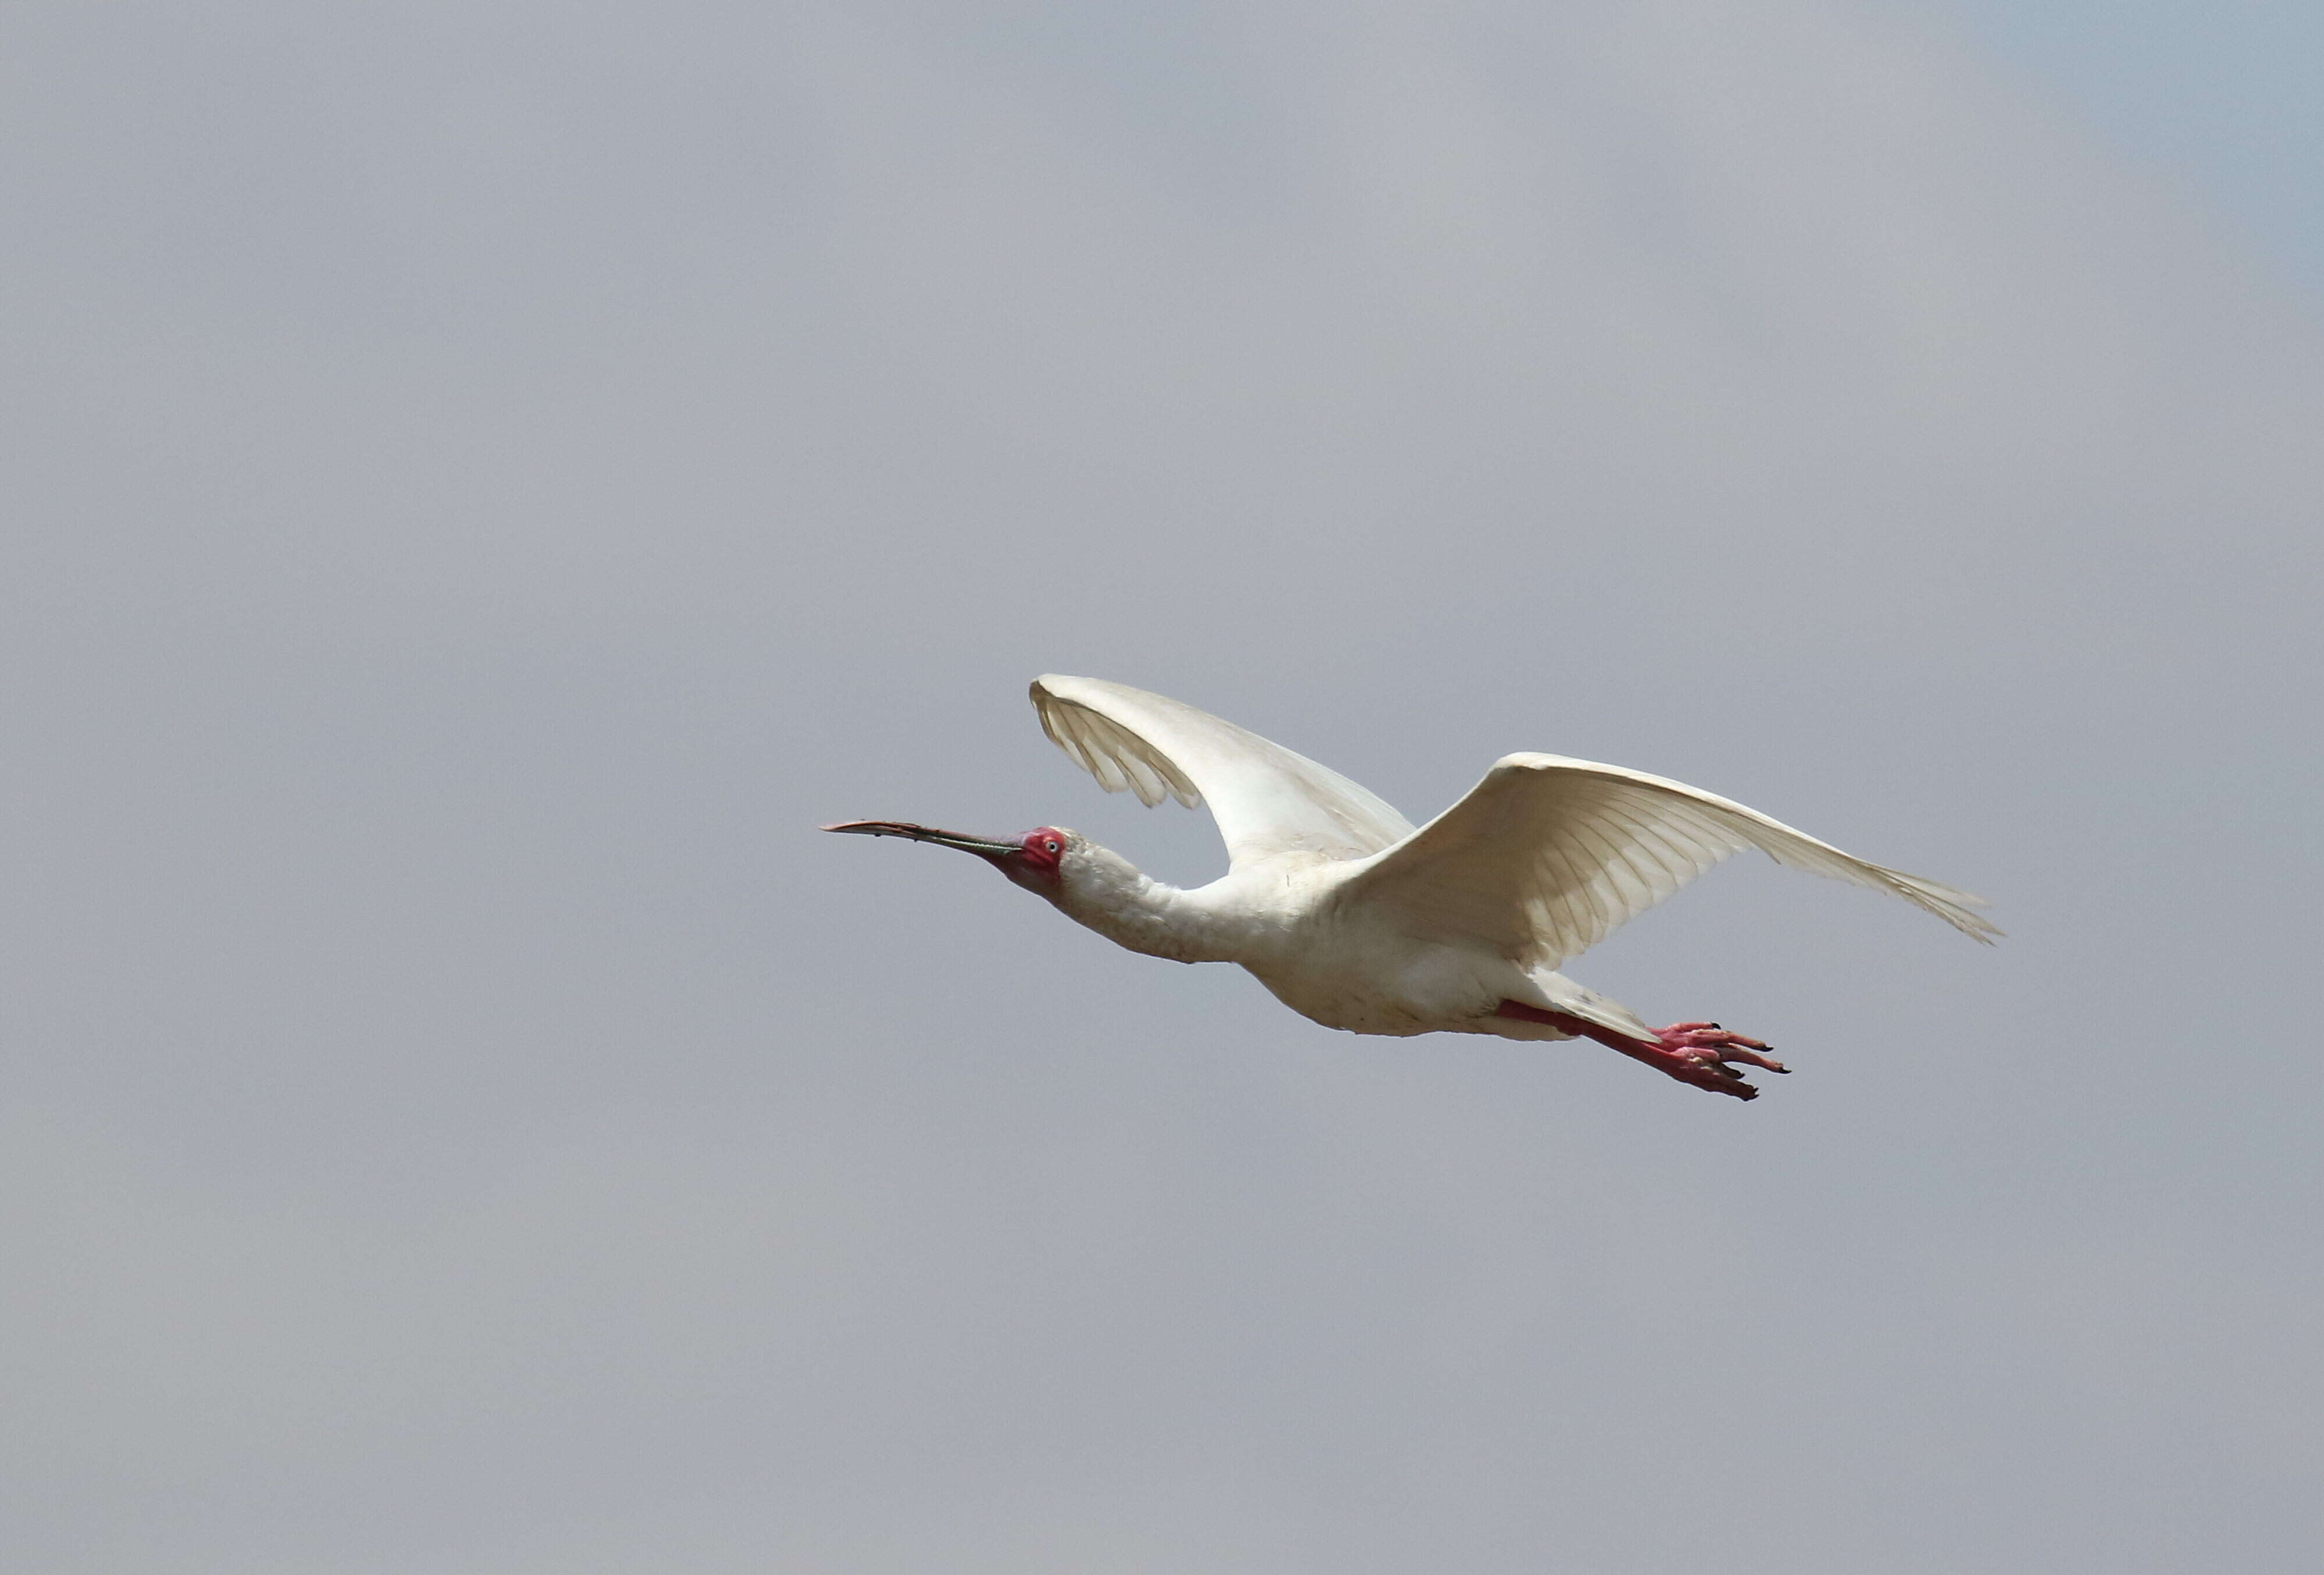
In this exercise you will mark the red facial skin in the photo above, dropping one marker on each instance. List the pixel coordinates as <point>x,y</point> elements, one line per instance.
<point>1040,853</point>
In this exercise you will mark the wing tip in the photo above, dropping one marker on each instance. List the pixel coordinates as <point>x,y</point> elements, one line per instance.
<point>1125,763</point>
<point>1955,906</point>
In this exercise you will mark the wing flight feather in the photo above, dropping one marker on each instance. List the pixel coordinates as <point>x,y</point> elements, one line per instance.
<point>1267,800</point>
<point>1546,856</point>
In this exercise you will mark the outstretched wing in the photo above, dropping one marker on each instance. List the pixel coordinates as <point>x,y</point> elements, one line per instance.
<point>1267,800</point>
<point>1546,856</point>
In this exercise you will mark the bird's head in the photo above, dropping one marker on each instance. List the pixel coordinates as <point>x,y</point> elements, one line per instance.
<point>1036,860</point>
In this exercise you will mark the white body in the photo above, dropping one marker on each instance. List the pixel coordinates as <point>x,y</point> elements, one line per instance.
<point>1357,920</point>
<point>1343,964</point>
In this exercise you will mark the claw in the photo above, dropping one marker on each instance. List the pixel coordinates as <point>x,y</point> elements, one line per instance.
<point>1701,1054</point>
<point>1706,1055</point>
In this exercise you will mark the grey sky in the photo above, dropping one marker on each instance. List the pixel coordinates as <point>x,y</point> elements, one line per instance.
<point>488,479</point>
<point>2217,98</point>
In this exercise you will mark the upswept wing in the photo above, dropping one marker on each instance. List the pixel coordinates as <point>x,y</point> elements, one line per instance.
<point>1546,856</point>
<point>1267,800</point>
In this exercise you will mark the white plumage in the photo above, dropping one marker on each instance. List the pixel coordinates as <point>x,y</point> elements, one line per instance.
<point>1358,921</point>
<point>1266,799</point>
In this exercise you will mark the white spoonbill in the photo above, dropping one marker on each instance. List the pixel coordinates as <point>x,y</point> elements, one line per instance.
<point>1357,920</point>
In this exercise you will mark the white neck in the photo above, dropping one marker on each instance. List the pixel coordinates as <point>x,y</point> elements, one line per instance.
<point>1107,893</point>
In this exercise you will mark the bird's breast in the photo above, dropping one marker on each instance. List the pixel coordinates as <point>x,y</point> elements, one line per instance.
<point>1348,978</point>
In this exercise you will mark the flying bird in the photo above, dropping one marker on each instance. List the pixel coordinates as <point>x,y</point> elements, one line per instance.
<point>1356,920</point>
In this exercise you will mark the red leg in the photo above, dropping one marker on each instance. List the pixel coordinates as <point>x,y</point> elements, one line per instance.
<point>1696,1053</point>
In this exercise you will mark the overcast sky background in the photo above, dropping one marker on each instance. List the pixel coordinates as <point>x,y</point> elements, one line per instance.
<point>488,479</point>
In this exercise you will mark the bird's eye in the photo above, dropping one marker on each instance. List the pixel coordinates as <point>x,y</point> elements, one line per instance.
<point>1051,844</point>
